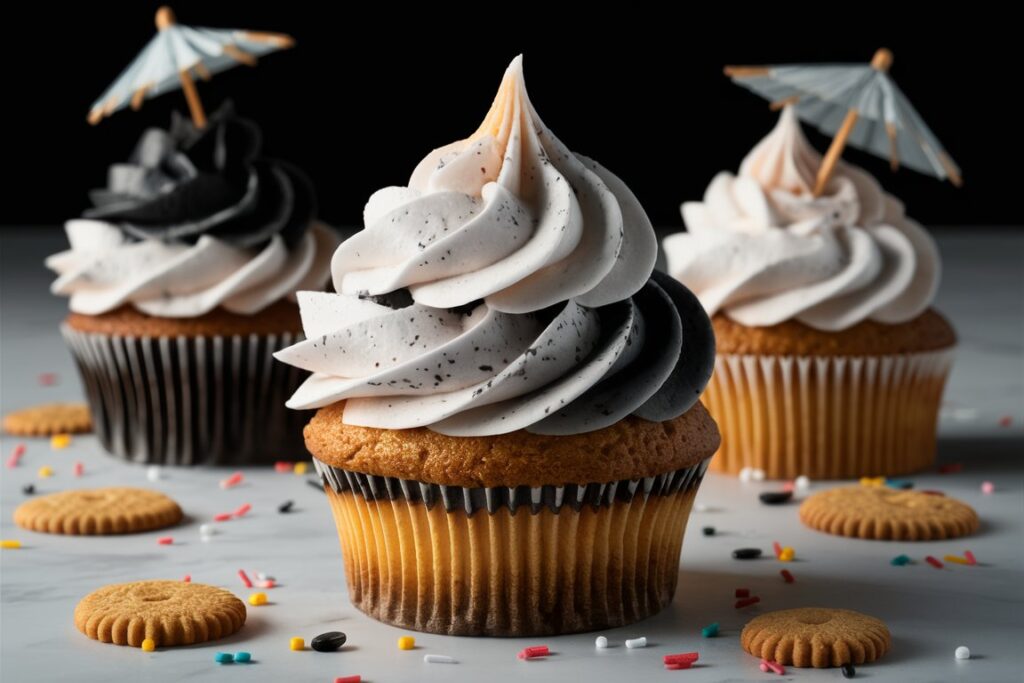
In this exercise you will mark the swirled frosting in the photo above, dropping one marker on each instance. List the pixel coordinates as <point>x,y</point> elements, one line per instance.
<point>762,249</point>
<point>194,220</point>
<point>508,286</point>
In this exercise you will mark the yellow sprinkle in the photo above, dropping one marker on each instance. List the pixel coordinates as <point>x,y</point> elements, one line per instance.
<point>406,643</point>
<point>12,544</point>
<point>297,644</point>
<point>955,559</point>
<point>300,468</point>
<point>787,554</point>
<point>148,645</point>
<point>60,441</point>
<point>257,599</point>
<point>45,471</point>
<point>872,481</point>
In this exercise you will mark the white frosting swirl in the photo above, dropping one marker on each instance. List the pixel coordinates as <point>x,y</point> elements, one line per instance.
<point>762,249</point>
<point>104,269</point>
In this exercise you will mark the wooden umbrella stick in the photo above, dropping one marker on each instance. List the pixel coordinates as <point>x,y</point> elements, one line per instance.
<point>280,40</point>
<point>202,71</point>
<point>784,102</point>
<point>239,55</point>
<point>835,150</point>
<point>894,152</point>
<point>195,107</point>
<point>747,71</point>
<point>139,96</point>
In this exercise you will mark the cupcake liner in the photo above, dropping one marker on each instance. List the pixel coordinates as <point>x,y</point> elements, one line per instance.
<point>510,561</point>
<point>827,417</point>
<point>190,400</point>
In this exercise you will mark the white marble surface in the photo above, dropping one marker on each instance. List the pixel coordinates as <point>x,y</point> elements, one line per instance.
<point>930,612</point>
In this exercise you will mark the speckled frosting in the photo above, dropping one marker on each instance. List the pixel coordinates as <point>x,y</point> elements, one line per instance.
<point>508,286</point>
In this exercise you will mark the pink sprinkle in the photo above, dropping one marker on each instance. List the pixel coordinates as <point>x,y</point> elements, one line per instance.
<point>747,602</point>
<point>165,540</point>
<point>969,556</point>
<point>242,509</point>
<point>1005,421</point>
<point>188,578</point>
<point>787,576</point>
<point>269,583</point>
<point>763,666</point>
<point>47,379</point>
<point>777,547</point>
<point>789,486</point>
<point>19,450</point>
<point>245,579</point>
<point>234,480</point>
<point>987,487</point>
<point>283,466</point>
<point>742,593</point>
<point>933,562</point>
<point>222,517</point>
<point>79,469</point>
<point>773,666</point>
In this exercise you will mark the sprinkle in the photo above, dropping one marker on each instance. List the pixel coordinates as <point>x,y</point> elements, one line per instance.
<point>242,657</point>
<point>901,484</point>
<point>539,651</point>
<point>787,576</point>
<point>955,559</point>
<point>79,469</point>
<point>872,481</point>
<point>962,652</point>
<point>776,548</point>
<point>224,658</point>
<point>285,506</point>
<point>349,679</point>
<point>1005,421</point>
<point>700,507</point>
<point>282,466</point>
<point>708,531</point>
<point>10,544</point>
<point>188,578</point>
<point>406,643</point>
<point>848,671</point>
<point>262,576</point>
<point>438,659</point>
<point>678,667</point>
<point>297,644</point>
<point>747,602</point>
<point>971,559</point>
<point>988,487</point>
<point>776,497</point>
<point>242,509</point>
<point>757,474</point>
<point>45,472</point>
<point>206,530</point>
<point>746,553</point>
<point>148,645</point>
<point>683,660</point>
<point>165,540</point>
<point>47,379</point>
<point>950,468</point>
<point>28,489</point>
<point>772,666</point>
<point>601,643</point>
<point>634,643</point>
<point>234,480</point>
<point>257,599</point>
<point>222,517</point>
<point>787,554</point>
<point>742,593</point>
<point>933,562</point>
<point>789,487</point>
<point>153,473</point>
<point>300,468</point>
<point>900,560</point>
<point>59,442</point>
<point>245,579</point>
<point>266,583</point>
<point>746,474</point>
<point>328,642</point>
<point>710,631</point>
<point>802,483</point>
<point>16,453</point>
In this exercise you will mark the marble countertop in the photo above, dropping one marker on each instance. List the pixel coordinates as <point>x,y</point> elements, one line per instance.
<point>930,612</point>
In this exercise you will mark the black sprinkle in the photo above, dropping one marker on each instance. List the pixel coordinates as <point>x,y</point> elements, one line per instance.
<point>746,553</point>
<point>328,642</point>
<point>28,489</point>
<point>709,531</point>
<point>848,671</point>
<point>486,368</point>
<point>285,506</point>
<point>776,497</point>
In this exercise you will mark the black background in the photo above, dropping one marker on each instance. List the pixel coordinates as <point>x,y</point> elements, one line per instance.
<point>365,95</point>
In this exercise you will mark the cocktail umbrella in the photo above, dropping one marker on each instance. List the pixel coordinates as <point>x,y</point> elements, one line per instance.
<point>858,104</point>
<point>174,53</point>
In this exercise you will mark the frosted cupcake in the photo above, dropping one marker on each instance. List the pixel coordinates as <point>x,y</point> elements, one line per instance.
<point>830,362</point>
<point>181,283</point>
<point>508,430</point>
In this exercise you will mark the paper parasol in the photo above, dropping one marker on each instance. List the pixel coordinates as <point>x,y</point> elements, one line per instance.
<point>858,104</point>
<point>173,54</point>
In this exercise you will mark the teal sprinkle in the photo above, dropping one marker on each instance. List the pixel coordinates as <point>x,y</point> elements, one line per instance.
<point>710,631</point>
<point>899,561</point>
<point>224,658</point>
<point>243,657</point>
<point>899,484</point>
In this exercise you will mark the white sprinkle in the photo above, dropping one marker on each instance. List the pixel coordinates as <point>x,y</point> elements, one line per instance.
<point>963,652</point>
<point>438,659</point>
<point>757,475</point>
<point>802,483</point>
<point>261,576</point>
<point>206,530</point>
<point>746,473</point>
<point>634,643</point>
<point>601,643</point>
<point>700,507</point>
<point>153,473</point>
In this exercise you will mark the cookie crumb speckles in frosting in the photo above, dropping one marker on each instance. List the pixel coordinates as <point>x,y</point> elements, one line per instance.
<point>762,249</point>
<point>509,286</point>
<point>195,220</point>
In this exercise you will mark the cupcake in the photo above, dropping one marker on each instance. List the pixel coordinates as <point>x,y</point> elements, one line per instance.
<point>830,362</point>
<point>509,430</point>
<point>181,282</point>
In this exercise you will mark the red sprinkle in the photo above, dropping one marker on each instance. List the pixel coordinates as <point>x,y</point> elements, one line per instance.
<point>348,679</point>
<point>268,583</point>
<point>934,562</point>
<point>681,658</point>
<point>747,602</point>
<point>789,486</point>
<point>678,667</point>
<point>19,450</point>
<point>969,556</point>
<point>742,593</point>
<point>188,578</point>
<point>950,468</point>
<point>244,578</point>
<point>534,651</point>
<point>283,466</point>
<point>47,379</point>
<point>242,509</point>
<point>787,576</point>
<point>234,480</point>
<point>777,547</point>
<point>774,666</point>
<point>79,469</point>
<point>1005,421</point>
<point>222,517</point>
<point>165,540</point>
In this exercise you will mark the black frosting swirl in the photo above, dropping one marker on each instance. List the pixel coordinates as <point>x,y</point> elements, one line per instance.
<point>185,182</point>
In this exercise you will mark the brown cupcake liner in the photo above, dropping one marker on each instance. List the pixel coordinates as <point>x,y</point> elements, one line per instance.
<point>207,400</point>
<point>510,561</point>
<point>827,417</point>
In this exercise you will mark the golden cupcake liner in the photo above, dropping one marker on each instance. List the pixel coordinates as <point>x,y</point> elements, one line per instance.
<point>190,400</point>
<point>827,417</point>
<point>510,561</point>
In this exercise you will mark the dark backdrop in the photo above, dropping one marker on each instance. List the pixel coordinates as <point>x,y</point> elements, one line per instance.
<point>360,100</point>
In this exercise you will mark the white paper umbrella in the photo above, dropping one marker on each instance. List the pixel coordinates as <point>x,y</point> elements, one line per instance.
<point>174,53</point>
<point>858,104</point>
